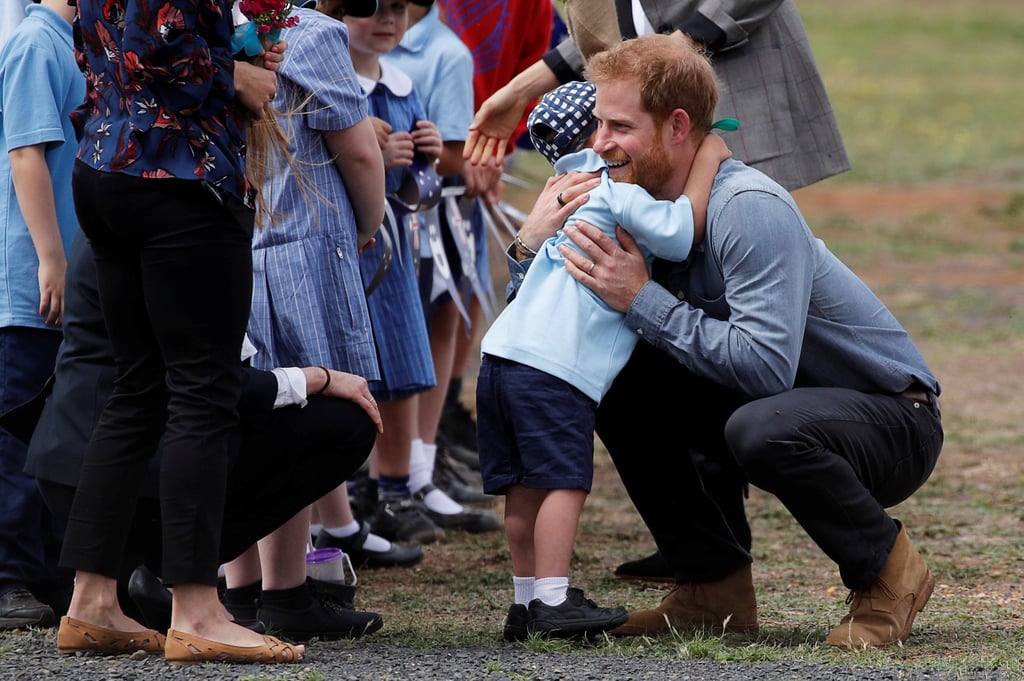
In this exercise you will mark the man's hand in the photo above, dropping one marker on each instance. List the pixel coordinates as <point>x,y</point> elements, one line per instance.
<point>616,274</point>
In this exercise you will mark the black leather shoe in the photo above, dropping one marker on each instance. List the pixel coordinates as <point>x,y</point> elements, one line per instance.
<point>355,547</point>
<point>653,568</point>
<point>576,617</point>
<point>314,616</point>
<point>151,597</point>
<point>459,482</point>
<point>403,520</point>
<point>242,603</point>
<point>19,608</point>
<point>514,628</point>
<point>473,520</point>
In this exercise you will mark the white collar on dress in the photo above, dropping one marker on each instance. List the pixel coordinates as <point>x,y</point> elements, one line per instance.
<point>392,78</point>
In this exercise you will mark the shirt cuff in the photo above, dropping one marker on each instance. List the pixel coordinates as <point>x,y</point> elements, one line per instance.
<point>291,387</point>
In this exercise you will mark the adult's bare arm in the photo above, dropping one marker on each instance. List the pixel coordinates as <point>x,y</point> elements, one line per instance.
<point>498,116</point>
<point>618,272</point>
<point>358,158</point>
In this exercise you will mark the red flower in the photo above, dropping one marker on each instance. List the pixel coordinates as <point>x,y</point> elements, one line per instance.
<point>268,15</point>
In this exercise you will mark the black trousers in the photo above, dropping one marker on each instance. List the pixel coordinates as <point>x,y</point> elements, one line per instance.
<point>174,267</point>
<point>835,458</point>
<point>285,461</point>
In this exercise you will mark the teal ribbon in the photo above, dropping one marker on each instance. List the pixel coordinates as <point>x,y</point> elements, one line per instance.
<point>246,38</point>
<point>727,124</point>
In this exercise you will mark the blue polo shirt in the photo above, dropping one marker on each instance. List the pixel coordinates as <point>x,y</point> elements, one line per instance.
<point>40,85</point>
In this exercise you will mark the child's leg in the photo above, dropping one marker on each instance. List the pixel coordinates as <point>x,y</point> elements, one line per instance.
<point>555,531</point>
<point>521,507</point>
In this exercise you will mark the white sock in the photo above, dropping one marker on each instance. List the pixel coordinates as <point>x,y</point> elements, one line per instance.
<point>374,543</point>
<point>523,587</point>
<point>344,530</point>
<point>420,472</point>
<point>439,502</point>
<point>314,529</point>
<point>551,590</point>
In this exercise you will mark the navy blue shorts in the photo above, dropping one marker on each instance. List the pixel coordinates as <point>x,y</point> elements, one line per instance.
<point>533,429</point>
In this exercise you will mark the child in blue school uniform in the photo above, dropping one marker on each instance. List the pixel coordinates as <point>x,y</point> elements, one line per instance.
<point>410,145</point>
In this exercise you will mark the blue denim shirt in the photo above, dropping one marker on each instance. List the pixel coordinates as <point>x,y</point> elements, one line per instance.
<point>761,305</point>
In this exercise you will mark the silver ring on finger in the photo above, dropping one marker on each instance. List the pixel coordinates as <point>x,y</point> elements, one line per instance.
<point>592,266</point>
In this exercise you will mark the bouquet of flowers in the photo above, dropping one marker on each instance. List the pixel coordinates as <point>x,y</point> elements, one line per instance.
<point>267,18</point>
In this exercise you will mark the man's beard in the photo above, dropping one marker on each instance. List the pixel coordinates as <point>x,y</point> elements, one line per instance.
<point>652,170</point>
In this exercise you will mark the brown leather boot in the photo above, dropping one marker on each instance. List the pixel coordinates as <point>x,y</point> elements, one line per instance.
<point>881,615</point>
<point>726,605</point>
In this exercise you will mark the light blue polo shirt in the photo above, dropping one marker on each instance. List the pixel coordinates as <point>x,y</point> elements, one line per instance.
<point>441,68</point>
<point>40,85</point>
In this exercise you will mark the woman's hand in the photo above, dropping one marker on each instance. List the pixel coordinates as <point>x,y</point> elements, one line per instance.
<point>255,87</point>
<point>561,196</point>
<point>345,386</point>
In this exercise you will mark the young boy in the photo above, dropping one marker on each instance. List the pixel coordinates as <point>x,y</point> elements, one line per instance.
<point>40,85</point>
<point>548,359</point>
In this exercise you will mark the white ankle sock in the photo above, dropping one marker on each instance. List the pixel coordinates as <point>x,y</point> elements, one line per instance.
<point>523,587</point>
<point>314,529</point>
<point>420,470</point>
<point>374,543</point>
<point>439,502</point>
<point>344,530</point>
<point>551,590</point>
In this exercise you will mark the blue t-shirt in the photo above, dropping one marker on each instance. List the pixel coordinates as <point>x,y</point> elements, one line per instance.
<point>40,85</point>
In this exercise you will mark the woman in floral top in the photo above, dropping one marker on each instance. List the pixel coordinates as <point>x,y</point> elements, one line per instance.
<point>161,193</point>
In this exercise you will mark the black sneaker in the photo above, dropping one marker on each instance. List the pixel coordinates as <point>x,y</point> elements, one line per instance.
<point>652,568</point>
<point>467,456</point>
<point>576,616</point>
<point>473,520</point>
<point>355,547</point>
<point>514,628</point>
<point>362,494</point>
<point>457,424</point>
<point>402,520</point>
<point>19,608</point>
<point>322,617</point>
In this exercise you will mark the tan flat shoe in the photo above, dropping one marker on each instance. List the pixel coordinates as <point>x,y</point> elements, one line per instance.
<point>76,636</point>
<point>182,648</point>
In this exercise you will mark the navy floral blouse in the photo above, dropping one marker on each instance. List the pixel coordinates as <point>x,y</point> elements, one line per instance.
<point>160,91</point>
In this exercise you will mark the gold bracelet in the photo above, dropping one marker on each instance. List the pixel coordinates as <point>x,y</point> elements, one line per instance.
<point>523,248</point>
<point>327,383</point>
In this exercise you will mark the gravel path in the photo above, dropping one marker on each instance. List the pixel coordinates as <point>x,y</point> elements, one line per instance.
<point>32,655</point>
